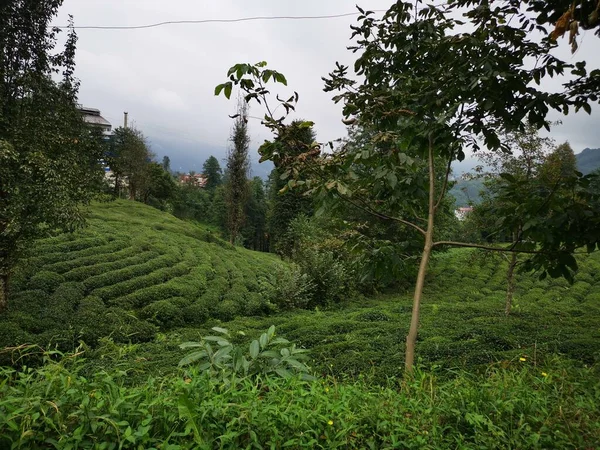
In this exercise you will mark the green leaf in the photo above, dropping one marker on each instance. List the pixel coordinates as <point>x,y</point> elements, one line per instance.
<point>254,349</point>
<point>192,358</point>
<point>190,345</point>
<point>220,330</point>
<point>228,88</point>
<point>587,108</point>
<point>263,340</point>
<point>269,354</point>
<point>219,88</point>
<point>508,177</point>
<point>280,78</point>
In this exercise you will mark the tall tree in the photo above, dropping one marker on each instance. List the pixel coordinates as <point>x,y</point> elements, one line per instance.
<point>130,158</point>
<point>255,229</point>
<point>285,204</point>
<point>166,164</point>
<point>238,166</point>
<point>431,90</point>
<point>528,155</point>
<point>49,158</point>
<point>211,169</point>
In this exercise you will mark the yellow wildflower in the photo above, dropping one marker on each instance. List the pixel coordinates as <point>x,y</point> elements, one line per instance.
<point>326,389</point>
<point>330,423</point>
<point>522,359</point>
<point>544,374</point>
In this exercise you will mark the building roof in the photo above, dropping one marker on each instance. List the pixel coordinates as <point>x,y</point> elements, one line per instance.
<point>93,117</point>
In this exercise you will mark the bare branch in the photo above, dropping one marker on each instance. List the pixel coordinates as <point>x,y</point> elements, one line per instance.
<point>487,247</point>
<point>445,185</point>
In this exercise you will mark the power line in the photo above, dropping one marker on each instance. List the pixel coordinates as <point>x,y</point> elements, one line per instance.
<point>185,22</point>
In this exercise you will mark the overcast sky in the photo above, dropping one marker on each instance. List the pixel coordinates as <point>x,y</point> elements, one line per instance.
<point>165,77</point>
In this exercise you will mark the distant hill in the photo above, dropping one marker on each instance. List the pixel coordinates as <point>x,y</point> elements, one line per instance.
<point>466,192</point>
<point>588,160</point>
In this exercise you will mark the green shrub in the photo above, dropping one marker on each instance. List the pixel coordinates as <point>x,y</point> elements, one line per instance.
<point>230,363</point>
<point>32,302</point>
<point>289,288</point>
<point>145,296</point>
<point>373,316</point>
<point>196,314</point>
<point>579,290</point>
<point>257,305</point>
<point>45,281</point>
<point>127,273</point>
<point>69,293</point>
<point>227,310</point>
<point>163,313</point>
<point>129,286</point>
<point>82,273</point>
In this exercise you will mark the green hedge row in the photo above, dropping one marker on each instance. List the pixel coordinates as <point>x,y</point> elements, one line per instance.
<point>76,262</point>
<point>84,272</point>
<point>44,260</point>
<point>133,271</point>
<point>110,293</point>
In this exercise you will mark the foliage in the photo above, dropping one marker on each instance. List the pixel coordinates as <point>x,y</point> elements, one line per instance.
<point>48,156</point>
<point>404,59</point>
<point>229,363</point>
<point>129,159</point>
<point>520,406</point>
<point>254,231</point>
<point>285,204</point>
<point>321,257</point>
<point>160,189</point>
<point>213,173</point>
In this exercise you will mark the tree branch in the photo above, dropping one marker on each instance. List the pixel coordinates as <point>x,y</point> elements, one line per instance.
<point>376,213</point>
<point>445,185</point>
<point>487,247</point>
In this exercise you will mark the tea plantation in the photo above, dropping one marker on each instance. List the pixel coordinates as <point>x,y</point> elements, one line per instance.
<point>132,271</point>
<point>120,296</point>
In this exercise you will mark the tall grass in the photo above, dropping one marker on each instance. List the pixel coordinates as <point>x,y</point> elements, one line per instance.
<point>519,406</point>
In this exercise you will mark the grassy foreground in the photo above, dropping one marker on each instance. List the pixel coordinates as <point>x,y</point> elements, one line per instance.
<point>520,407</point>
<point>137,282</point>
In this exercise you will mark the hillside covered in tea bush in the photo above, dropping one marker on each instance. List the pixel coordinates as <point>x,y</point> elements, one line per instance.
<point>132,271</point>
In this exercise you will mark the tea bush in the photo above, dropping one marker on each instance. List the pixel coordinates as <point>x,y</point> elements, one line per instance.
<point>140,267</point>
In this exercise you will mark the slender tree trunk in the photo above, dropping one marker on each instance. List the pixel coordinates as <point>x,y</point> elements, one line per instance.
<point>3,292</point>
<point>510,283</point>
<point>411,338</point>
<point>116,189</point>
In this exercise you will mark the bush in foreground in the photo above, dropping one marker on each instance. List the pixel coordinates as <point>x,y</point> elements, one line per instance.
<point>521,407</point>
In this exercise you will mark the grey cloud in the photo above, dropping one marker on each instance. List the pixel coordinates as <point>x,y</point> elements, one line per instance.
<point>164,77</point>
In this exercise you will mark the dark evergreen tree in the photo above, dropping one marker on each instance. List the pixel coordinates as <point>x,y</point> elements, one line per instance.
<point>287,205</point>
<point>255,230</point>
<point>238,166</point>
<point>166,164</point>
<point>211,169</point>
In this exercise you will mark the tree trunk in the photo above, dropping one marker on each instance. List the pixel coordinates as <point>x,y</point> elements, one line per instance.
<point>510,286</point>
<point>411,338</point>
<point>3,292</point>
